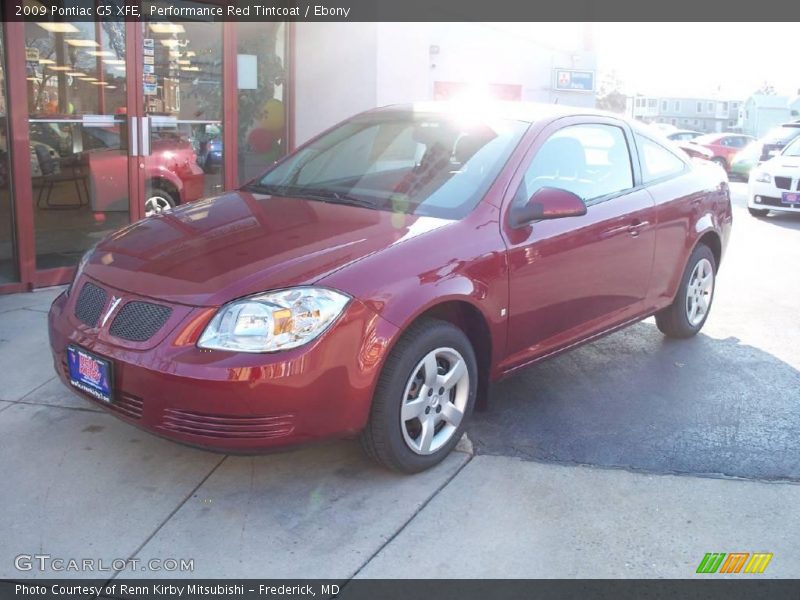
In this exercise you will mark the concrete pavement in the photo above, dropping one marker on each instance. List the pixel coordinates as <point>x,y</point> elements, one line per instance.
<point>508,518</point>
<point>78,483</point>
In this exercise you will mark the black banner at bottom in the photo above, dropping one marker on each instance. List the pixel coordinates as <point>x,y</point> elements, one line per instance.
<point>732,588</point>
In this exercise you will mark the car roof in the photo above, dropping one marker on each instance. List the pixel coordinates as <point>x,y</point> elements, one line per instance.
<point>519,111</point>
<point>710,137</point>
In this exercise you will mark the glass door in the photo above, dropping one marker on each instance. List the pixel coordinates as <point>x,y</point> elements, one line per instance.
<point>182,93</point>
<point>8,254</point>
<point>80,138</point>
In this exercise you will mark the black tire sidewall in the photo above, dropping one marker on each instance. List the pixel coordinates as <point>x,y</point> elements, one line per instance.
<point>436,334</point>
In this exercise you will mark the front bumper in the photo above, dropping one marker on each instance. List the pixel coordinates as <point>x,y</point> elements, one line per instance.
<point>770,197</point>
<point>229,401</point>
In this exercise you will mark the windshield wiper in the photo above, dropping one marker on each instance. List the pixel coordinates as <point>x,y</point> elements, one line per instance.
<point>322,195</point>
<point>334,197</point>
<point>260,188</point>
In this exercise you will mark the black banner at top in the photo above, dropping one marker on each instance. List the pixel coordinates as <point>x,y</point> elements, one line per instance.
<point>402,10</point>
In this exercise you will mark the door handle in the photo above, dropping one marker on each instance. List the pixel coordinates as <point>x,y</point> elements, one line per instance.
<point>636,226</point>
<point>133,136</point>
<point>145,136</point>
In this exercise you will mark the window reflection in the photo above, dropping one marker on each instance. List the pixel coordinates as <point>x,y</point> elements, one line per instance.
<point>8,262</point>
<point>182,90</point>
<point>76,84</point>
<point>261,96</point>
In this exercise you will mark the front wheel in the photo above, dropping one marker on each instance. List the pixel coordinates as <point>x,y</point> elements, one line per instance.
<point>758,212</point>
<point>424,396</point>
<point>689,310</point>
<point>159,201</point>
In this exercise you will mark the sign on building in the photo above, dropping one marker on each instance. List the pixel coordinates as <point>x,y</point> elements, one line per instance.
<point>569,80</point>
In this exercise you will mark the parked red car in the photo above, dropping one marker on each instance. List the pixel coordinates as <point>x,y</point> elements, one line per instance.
<point>695,151</point>
<point>172,174</point>
<point>724,146</point>
<point>376,280</point>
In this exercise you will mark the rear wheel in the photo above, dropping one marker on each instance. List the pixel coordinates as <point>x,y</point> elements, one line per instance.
<point>425,394</point>
<point>159,201</point>
<point>689,310</point>
<point>758,212</point>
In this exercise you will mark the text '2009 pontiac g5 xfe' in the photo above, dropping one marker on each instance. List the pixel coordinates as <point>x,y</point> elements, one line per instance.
<point>376,280</point>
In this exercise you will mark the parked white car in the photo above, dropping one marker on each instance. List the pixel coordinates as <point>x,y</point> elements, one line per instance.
<point>775,184</point>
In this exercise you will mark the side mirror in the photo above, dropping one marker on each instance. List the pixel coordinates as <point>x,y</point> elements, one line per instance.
<point>547,203</point>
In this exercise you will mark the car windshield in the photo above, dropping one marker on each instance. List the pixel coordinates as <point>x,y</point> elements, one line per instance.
<point>415,163</point>
<point>793,149</point>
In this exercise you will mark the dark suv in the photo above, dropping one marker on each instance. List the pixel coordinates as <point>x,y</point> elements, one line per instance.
<point>777,138</point>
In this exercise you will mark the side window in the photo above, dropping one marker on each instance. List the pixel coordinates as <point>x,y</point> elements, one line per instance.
<point>589,160</point>
<point>657,161</point>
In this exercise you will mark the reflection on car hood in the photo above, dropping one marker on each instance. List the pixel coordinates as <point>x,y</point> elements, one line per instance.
<point>212,251</point>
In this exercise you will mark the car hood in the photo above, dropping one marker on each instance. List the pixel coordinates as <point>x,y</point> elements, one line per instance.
<point>789,165</point>
<point>211,251</point>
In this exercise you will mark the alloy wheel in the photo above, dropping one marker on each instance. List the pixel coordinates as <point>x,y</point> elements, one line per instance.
<point>434,400</point>
<point>155,205</point>
<point>699,292</point>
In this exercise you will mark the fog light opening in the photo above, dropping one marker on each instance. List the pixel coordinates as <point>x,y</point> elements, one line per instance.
<point>758,199</point>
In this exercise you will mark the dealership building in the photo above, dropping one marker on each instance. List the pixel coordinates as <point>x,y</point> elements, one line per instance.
<point>106,122</point>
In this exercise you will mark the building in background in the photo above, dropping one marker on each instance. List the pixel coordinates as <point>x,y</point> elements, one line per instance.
<point>762,112</point>
<point>709,115</point>
<point>343,68</point>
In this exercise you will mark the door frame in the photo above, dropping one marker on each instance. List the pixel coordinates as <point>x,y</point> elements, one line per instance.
<point>18,135</point>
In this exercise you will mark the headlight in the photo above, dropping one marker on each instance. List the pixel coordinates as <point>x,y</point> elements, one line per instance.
<point>274,320</point>
<point>763,177</point>
<point>81,266</point>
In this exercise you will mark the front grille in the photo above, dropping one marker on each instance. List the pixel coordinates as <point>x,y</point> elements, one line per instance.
<point>784,183</point>
<point>214,426</point>
<point>139,321</point>
<point>769,201</point>
<point>90,304</point>
<point>126,405</point>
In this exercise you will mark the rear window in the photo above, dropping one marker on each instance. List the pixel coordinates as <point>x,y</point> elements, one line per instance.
<point>657,161</point>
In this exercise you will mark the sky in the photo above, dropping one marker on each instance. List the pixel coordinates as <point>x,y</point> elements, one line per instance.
<point>685,59</point>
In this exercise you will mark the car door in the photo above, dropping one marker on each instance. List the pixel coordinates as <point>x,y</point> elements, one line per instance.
<point>573,277</point>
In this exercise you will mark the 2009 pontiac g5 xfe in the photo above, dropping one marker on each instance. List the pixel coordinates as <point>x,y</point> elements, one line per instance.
<point>376,280</point>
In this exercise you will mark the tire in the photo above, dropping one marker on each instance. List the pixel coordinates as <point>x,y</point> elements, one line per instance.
<point>721,162</point>
<point>159,201</point>
<point>758,212</point>
<point>681,319</point>
<point>428,435</point>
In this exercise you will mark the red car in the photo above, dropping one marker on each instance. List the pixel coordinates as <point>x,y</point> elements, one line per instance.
<point>376,280</point>
<point>695,151</point>
<point>172,174</point>
<point>723,146</point>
